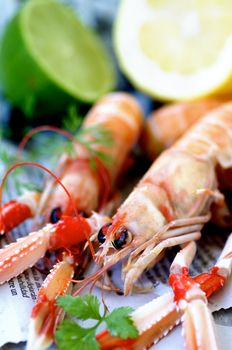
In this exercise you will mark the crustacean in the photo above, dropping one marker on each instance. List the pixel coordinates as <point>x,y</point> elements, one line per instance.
<point>80,191</point>
<point>172,201</point>
<point>186,303</point>
<point>120,116</point>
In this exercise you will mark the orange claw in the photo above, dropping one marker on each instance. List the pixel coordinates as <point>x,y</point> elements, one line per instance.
<point>210,282</point>
<point>26,251</point>
<point>108,342</point>
<point>15,212</point>
<point>187,302</point>
<point>69,231</point>
<point>45,312</point>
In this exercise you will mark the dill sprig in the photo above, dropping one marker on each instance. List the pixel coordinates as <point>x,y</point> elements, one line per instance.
<point>89,137</point>
<point>73,120</point>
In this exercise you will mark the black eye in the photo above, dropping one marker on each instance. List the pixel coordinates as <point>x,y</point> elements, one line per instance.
<point>102,233</point>
<point>55,215</point>
<point>119,242</point>
<point>83,214</point>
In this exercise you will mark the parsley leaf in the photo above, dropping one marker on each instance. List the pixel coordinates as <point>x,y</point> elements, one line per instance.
<point>85,307</point>
<point>71,336</point>
<point>120,324</point>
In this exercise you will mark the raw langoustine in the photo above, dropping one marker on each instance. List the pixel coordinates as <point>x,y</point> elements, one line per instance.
<point>172,201</point>
<point>120,116</point>
<point>79,188</point>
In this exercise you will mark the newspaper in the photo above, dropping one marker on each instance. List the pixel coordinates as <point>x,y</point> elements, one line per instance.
<point>18,296</point>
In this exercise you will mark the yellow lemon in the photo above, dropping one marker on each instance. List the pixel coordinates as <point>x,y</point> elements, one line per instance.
<point>175,49</point>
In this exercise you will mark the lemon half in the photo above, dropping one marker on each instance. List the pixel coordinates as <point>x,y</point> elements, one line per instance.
<point>175,49</point>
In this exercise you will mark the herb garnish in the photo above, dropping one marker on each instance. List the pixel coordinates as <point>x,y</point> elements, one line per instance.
<point>89,137</point>
<point>72,336</point>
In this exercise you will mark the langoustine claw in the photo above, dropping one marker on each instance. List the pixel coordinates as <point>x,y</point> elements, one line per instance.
<point>46,313</point>
<point>26,251</point>
<point>15,212</point>
<point>187,303</point>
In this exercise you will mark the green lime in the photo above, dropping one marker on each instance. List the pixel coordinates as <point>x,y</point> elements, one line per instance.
<point>49,58</point>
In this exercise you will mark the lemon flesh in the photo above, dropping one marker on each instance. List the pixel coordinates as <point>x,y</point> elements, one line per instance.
<point>48,57</point>
<point>176,49</point>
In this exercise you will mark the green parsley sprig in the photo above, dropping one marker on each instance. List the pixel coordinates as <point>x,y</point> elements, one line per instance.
<point>72,336</point>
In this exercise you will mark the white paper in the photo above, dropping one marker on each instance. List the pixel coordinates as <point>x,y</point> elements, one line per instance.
<point>17,298</point>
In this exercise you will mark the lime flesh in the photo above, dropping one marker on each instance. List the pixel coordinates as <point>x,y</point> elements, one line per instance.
<point>49,58</point>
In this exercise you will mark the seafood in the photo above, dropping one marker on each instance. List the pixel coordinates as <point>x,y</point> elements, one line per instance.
<point>121,116</point>
<point>164,126</point>
<point>26,251</point>
<point>118,114</point>
<point>172,202</point>
<point>46,313</point>
<point>82,189</point>
<point>15,212</point>
<point>187,303</point>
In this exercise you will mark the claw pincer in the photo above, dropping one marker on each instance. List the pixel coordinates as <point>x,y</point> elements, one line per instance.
<point>15,212</point>
<point>186,303</point>
<point>45,313</point>
<point>26,251</point>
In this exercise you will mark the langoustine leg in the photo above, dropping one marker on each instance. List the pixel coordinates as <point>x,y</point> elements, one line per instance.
<point>187,303</point>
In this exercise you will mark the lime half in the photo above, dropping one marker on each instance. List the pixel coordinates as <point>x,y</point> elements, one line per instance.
<point>48,57</point>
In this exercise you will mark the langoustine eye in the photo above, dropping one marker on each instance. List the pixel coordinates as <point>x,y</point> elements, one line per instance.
<point>123,237</point>
<point>55,215</point>
<point>102,233</point>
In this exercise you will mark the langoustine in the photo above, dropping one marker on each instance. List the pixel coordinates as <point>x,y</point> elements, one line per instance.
<point>172,202</point>
<point>80,190</point>
<point>186,303</point>
<point>120,116</point>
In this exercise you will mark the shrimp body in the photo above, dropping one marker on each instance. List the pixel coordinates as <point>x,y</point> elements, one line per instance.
<point>119,115</point>
<point>165,125</point>
<point>172,201</point>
